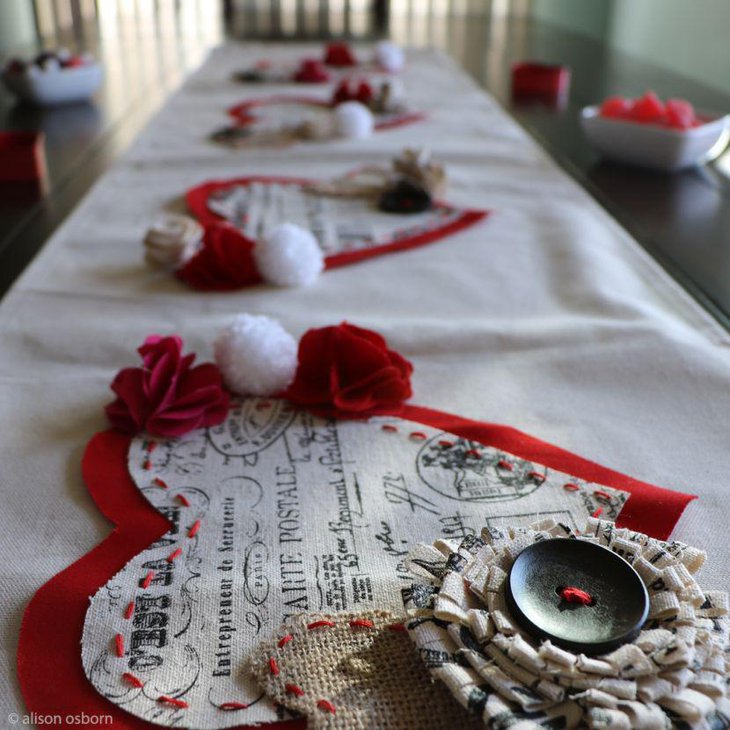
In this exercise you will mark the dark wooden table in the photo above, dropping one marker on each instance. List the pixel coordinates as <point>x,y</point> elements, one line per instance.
<point>683,220</point>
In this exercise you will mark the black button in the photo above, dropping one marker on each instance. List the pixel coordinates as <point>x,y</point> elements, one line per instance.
<point>608,609</point>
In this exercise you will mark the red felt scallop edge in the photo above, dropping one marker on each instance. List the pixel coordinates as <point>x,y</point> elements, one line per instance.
<point>51,675</point>
<point>197,201</point>
<point>242,112</point>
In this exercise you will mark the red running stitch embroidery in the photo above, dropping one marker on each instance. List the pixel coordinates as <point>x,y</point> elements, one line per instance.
<point>174,554</point>
<point>136,681</point>
<point>326,705</point>
<point>294,689</point>
<point>193,531</point>
<point>273,667</point>
<point>160,482</point>
<point>362,623</point>
<point>320,625</point>
<point>119,644</point>
<point>284,640</point>
<point>173,701</point>
<point>148,579</point>
<point>129,610</point>
<point>233,705</point>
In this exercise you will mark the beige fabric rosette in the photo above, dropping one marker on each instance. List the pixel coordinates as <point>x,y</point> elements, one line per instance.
<point>172,240</point>
<point>674,674</point>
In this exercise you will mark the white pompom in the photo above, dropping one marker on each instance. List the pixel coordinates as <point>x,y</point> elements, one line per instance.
<point>390,56</point>
<point>256,355</point>
<point>353,120</point>
<point>289,255</point>
<point>172,240</point>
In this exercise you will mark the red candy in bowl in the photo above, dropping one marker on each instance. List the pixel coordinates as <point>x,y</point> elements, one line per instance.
<point>652,133</point>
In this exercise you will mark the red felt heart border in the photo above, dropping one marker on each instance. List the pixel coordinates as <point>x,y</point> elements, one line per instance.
<point>197,197</point>
<point>51,675</point>
<point>243,114</point>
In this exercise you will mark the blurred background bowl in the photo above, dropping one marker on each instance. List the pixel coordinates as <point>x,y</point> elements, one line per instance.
<point>55,86</point>
<point>654,146</point>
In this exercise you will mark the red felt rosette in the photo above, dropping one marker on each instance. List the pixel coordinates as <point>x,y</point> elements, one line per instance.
<point>349,372</point>
<point>225,262</point>
<point>167,396</point>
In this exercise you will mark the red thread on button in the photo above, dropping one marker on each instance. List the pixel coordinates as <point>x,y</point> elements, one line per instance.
<point>173,701</point>
<point>135,681</point>
<point>160,482</point>
<point>320,625</point>
<point>361,623</point>
<point>148,579</point>
<point>174,554</point>
<point>129,610</point>
<point>119,644</point>
<point>389,428</point>
<point>571,487</point>
<point>504,464</point>
<point>182,499</point>
<point>294,689</point>
<point>233,706</point>
<point>327,706</point>
<point>193,531</point>
<point>284,640</point>
<point>273,667</point>
<point>571,594</point>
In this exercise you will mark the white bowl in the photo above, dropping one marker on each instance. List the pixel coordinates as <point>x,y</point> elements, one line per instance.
<point>55,86</point>
<point>649,145</point>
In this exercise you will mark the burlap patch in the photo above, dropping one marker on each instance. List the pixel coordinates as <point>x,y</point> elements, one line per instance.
<point>354,671</point>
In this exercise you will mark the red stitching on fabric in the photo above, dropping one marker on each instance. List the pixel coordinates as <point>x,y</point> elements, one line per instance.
<point>446,444</point>
<point>119,644</point>
<point>537,475</point>
<point>398,627</point>
<point>151,446</point>
<point>174,554</point>
<point>129,610</point>
<point>320,625</point>
<point>504,464</point>
<point>600,494</point>
<point>273,667</point>
<point>193,531</point>
<point>148,579</point>
<point>575,595</point>
<point>182,499</point>
<point>233,705</point>
<point>147,464</point>
<point>284,640</point>
<point>136,681</point>
<point>294,689</point>
<point>160,482</point>
<point>473,453</point>
<point>263,405</point>
<point>327,706</point>
<point>418,435</point>
<point>571,487</point>
<point>361,623</point>
<point>598,512</point>
<point>390,428</point>
<point>173,701</point>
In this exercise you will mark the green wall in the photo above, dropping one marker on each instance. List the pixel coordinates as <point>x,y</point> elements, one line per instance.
<point>690,37</point>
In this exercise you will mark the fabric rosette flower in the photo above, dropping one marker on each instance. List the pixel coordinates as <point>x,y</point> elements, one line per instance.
<point>167,396</point>
<point>349,372</point>
<point>672,672</point>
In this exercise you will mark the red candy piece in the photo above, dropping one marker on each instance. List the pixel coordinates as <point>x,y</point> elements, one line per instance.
<point>339,54</point>
<point>680,114</point>
<point>312,71</point>
<point>649,108</point>
<point>73,62</point>
<point>617,107</point>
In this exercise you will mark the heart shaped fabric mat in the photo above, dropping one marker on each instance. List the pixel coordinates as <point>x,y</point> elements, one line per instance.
<point>275,512</point>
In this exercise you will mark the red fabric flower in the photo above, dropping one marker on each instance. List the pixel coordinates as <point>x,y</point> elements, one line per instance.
<point>167,396</point>
<point>339,54</point>
<point>225,262</point>
<point>349,372</point>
